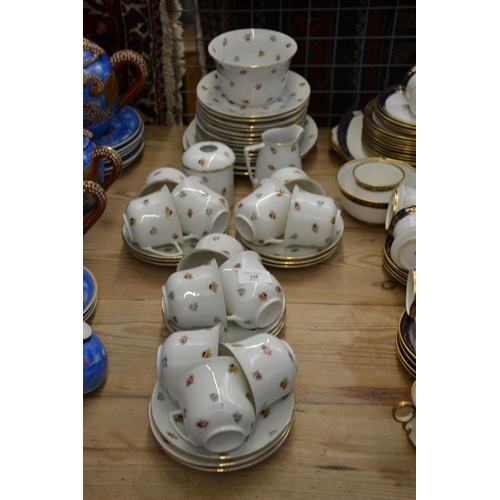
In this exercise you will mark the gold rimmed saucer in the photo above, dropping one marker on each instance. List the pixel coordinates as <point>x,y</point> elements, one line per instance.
<point>410,367</point>
<point>405,336</point>
<point>396,272</point>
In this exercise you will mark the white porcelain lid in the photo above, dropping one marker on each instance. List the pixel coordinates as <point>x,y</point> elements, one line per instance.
<point>208,156</point>
<point>351,188</point>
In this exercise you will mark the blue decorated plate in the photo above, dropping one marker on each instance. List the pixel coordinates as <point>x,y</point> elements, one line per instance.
<point>89,290</point>
<point>408,333</point>
<point>123,128</point>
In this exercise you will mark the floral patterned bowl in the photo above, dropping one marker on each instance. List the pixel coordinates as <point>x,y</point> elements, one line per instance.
<point>252,64</point>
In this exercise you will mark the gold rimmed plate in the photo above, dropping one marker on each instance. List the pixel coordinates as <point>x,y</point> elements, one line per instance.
<point>410,368</point>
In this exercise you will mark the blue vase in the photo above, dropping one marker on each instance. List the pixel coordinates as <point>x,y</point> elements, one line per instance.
<point>95,360</point>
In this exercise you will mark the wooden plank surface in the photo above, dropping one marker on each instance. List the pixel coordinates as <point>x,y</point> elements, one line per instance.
<point>341,322</point>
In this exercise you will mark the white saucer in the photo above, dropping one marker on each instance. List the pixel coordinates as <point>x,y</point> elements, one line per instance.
<point>349,132</point>
<point>395,103</point>
<point>278,251</point>
<point>269,425</point>
<point>209,93</point>
<point>309,137</point>
<point>404,249</point>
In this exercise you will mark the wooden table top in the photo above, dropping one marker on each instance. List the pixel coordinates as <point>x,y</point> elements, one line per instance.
<point>342,316</point>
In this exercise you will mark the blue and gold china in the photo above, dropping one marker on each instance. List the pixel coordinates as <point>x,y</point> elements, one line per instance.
<point>102,98</point>
<point>95,190</point>
<point>95,360</point>
<point>89,293</point>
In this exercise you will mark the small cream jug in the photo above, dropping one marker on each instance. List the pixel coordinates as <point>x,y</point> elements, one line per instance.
<point>279,149</point>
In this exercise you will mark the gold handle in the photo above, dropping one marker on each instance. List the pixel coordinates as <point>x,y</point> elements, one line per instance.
<point>101,152</point>
<point>94,189</point>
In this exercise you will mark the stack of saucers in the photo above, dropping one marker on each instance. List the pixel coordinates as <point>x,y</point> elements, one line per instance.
<point>125,135</point>
<point>406,339</point>
<point>251,90</point>
<point>89,294</point>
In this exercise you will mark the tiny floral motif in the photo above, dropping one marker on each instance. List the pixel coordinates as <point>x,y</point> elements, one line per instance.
<point>241,291</point>
<point>132,221</point>
<point>278,57</point>
<point>237,416</point>
<point>160,396</point>
<point>279,192</point>
<point>333,220</point>
<point>248,321</point>
<point>293,148</point>
<point>154,230</point>
<point>213,286</point>
<point>217,320</point>
<point>174,319</point>
<point>236,58</point>
<point>237,266</point>
<point>168,212</point>
<point>294,250</point>
<point>248,37</point>
<point>223,201</point>
<point>214,397</point>
<point>273,151</point>
<point>259,195</point>
<point>236,344</point>
<point>209,211</point>
<point>145,202</point>
<point>297,206</point>
<point>263,296</point>
<point>272,38</point>
<point>249,397</point>
<point>215,238</point>
<point>224,42</point>
<point>272,433</point>
<point>205,179</point>
<point>258,86</point>
<point>194,306</point>
<point>232,368</point>
<point>272,214</point>
<point>254,215</point>
<point>224,191</point>
<point>182,194</point>
<point>183,339</point>
<point>202,424</point>
<point>190,380</point>
<point>284,383</point>
<point>190,212</point>
<point>274,70</point>
<point>201,161</point>
<point>205,233</point>
<point>231,83</point>
<point>188,276</point>
<point>246,101</point>
<point>226,252</point>
<point>320,203</point>
<point>256,375</point>
<point>294,236</point>
<point>171,435</point>
<point>175,236</point>
<point>203,87</point>
<point>207,354</point>
<point>271,167</point>
<point>291,357</point>
<point>239,205</point>
<point>179,419</point>
<point>267,350</point>
<point>315,227</point>
<point>262,53</point>
<point>221,67</point>
<point>243,72</point>
<point>266,412</point>
<point>288,45</point>
<point>278,289</point>
<point>164,362</point>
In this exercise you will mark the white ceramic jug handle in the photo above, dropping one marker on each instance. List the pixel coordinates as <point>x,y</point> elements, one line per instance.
<point>247,150</point>
<point>181,432</point>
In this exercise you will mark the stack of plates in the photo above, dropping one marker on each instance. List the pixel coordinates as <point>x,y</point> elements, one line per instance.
<point>389,127</point>
<point>271,429</point>
<point>398,273</point>
<point>276,255</point>
<point>89,294</point>
<point>406,343</point>
<point>219,119</point>
<point>234,332</point>
<point>125,135</point>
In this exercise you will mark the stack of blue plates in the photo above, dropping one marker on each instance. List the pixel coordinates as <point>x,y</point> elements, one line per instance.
<point>125,135</point>
<point>89,294</point>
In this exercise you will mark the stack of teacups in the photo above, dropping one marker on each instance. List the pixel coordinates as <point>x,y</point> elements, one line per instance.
<point>271,214</point>
<point>400,248</point>
<point>219,388</point>
<point>240,292</point>
<point>159,225</point>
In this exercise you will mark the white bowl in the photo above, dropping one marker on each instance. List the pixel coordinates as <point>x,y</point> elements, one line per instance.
<point>252,64</point>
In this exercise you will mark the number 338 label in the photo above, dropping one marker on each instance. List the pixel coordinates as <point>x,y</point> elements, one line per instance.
<point>246,276</point>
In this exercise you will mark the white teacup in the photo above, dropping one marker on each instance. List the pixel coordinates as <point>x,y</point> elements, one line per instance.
<point>408,220</point>
<point>218,246</point>
<point>152,221</point>
<point>403,196</point>
<point>216,410</point>
<point>169,174</point>
<point>186,348</point>
<point>194,297</point>
<point>291,177</point>
<point>269,364</point>
<point>260,217</point>
<point>201,210</point>
<point>254,299</point>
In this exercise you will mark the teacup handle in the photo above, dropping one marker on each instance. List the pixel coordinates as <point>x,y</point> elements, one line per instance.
<point>247,150</point>
<point>94,189</point>
<point>176,245</point>
<point>175,424</point>
<point>101,152</point>
<point>126,56</point>
<point>403,419</point>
